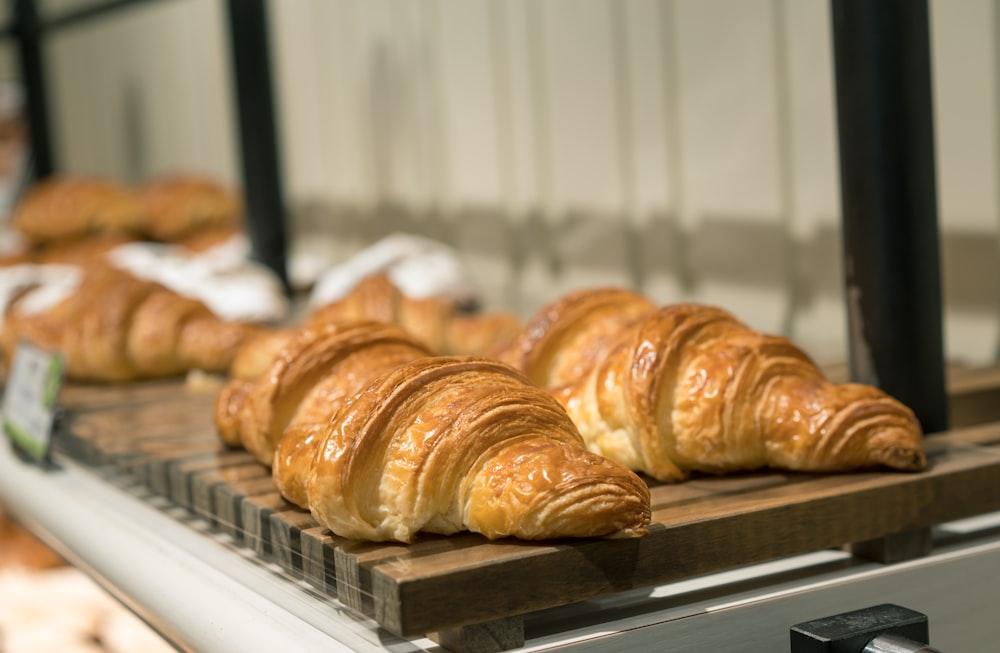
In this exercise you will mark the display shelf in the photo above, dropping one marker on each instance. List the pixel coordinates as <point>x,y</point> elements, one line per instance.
<point>191,536</point>
<point>464,588</point>
<point>185,579</point>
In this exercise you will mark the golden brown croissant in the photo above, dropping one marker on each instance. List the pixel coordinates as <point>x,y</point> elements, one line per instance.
<point>116,327</point>
<point>179,205</point>
<point>69,207</point>
<point>445,444</point>
<point>259,351</point>
<point>306,382</point>
<point>436,321</point>
<point>690,388</point>
<point>565,339</point>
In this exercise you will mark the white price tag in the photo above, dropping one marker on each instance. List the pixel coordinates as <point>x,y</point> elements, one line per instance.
<point>29,400</point>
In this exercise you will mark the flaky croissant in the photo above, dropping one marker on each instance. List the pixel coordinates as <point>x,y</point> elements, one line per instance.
<point>70,207</point>
<point>444,444</point>
<point>568,336</point>
<point>436,321</point>
<point>177,206</point>
<point>688,387</point>
<point>309,377</point>
<point>115,327</point>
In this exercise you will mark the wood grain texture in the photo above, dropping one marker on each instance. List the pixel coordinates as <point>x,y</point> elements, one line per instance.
<point>286,527</point>
<point>257,511</point>
<point>447,584</point>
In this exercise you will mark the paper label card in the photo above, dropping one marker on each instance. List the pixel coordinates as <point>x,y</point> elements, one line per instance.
<point>29,400</point>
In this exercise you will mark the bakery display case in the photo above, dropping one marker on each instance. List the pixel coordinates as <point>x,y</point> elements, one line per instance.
<point>191,533</point>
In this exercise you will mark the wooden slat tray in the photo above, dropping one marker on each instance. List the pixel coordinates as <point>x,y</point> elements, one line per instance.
<point>465,584</point>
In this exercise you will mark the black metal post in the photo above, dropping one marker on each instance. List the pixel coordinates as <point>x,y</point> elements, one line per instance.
<point>889,201</point>
<point>262,183</point>
<point>32,64</point>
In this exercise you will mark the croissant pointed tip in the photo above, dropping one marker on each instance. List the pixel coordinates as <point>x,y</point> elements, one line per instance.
<point>899,449</point>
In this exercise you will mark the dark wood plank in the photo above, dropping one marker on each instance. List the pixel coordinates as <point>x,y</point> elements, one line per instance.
<point>354,561</point>
<point>895,547</point>
<point>180,470</point>
<point>157,464</point>
<point>228,497</point>
<point>286,527</point>
<point>487,637</point>
<point>257,511</point>
<point>204,483</point>
<point>82,397</point>
<point>318,547</point>
<point>686,539</point>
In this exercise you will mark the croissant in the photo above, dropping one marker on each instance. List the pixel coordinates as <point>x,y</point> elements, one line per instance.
<point>307,380</point>
<point>259,351</point>
<point>564,339</point>
<point>115,327</point>
<point>444,444</point>
<point>175,207</point>
<point>436,321</point>
<point>689,387</point>
<point>71,207</point>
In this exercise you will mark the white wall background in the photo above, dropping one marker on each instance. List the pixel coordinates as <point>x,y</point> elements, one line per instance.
<point>686,147</point>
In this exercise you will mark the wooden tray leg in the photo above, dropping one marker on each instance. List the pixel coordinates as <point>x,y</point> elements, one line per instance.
<point>894,548</point>
<point>489,637</point>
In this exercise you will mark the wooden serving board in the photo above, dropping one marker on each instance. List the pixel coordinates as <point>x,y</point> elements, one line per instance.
<point>473,592</point>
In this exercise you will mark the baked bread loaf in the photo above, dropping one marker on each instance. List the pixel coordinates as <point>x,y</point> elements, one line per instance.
<point>445,444</point>
<point>436,321</point>
<point>75,207</point>
<point>181,206</point>
<point>114,327</point>
<point>689,387</point>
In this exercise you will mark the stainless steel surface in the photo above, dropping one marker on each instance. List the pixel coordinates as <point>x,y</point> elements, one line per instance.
<point>894,644</point>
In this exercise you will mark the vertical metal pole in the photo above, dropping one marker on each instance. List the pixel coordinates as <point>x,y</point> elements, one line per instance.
<point>889,201</point>
<point>262,182</point>
<point>29,43</point>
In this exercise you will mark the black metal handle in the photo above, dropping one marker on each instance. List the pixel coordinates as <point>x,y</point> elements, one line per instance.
<point>885,628</point>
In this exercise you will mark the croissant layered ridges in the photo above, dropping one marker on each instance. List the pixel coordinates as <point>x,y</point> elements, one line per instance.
<point>565,338</point>
<point>314,371</point>
<point>688,387</point>
<point>444,444</point>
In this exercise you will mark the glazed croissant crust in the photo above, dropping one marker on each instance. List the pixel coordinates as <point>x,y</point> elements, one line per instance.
<point>445,444</point>
<point>309,378</point>
<point>688,387</point>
